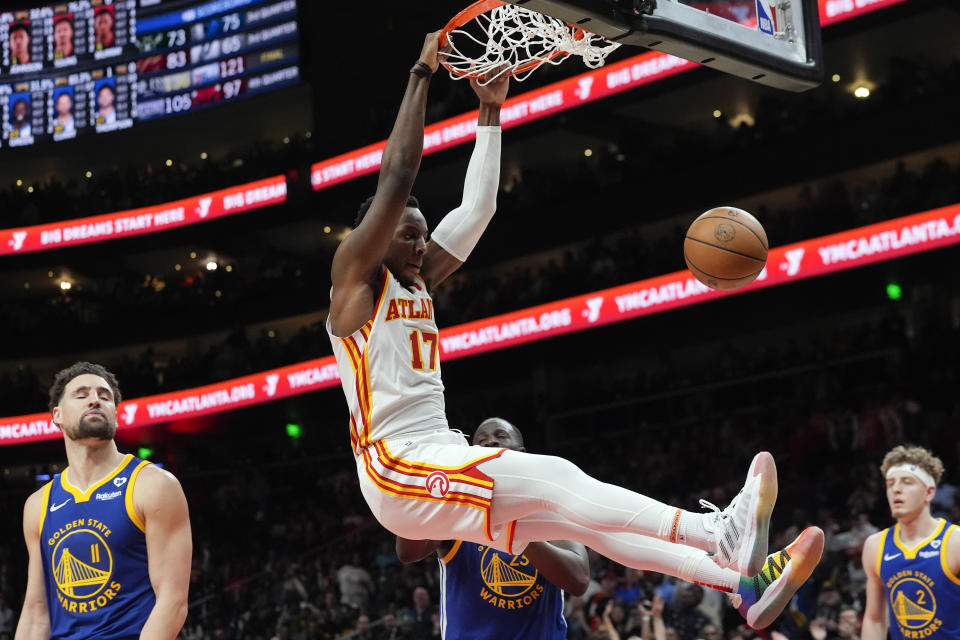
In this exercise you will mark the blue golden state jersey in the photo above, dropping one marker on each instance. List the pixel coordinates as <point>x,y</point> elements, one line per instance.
<point>923,595</point>
<point>95,557</point>
<point>489,594</point>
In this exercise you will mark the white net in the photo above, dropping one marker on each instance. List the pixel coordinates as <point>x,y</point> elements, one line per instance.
<point>510,39</point>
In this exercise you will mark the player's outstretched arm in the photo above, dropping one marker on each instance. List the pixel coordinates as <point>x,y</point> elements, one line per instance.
<point>563,563</point>
<point>874,614</point>
<point>458,232</point>
<point>160,502</point>
<point>34,618</point>
<point>358,258</point>
<point>416,550</point>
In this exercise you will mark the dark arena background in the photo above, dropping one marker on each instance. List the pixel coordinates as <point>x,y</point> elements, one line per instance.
<point>184,240</point>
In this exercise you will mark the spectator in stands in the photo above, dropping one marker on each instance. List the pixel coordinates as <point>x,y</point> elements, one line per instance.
<point>683,615</point>
<point>7,619</point>
<point>631,590</point>
<point>420,618</point>
<point>362,629</point>
<point>355,583</point>
<point>846,628</point>
<point>391,629</point>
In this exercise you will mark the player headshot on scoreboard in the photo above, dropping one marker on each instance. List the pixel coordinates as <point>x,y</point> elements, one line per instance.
<point>63,36</point>
<point>105,91</point>
<point>63,110</point>
<point>21,115</point>
<point>103,28</point>
<point>20,42</point>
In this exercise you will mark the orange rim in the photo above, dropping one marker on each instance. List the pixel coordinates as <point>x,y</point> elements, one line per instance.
<point>474,11</point>
<point>468,14</point>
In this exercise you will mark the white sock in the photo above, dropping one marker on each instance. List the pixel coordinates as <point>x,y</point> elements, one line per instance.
<point>687,528</point>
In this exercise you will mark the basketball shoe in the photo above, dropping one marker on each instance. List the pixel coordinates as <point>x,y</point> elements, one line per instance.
<point>762,598</point>
<point>741,530</point>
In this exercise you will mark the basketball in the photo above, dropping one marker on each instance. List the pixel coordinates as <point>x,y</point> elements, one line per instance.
<point>725,248</point>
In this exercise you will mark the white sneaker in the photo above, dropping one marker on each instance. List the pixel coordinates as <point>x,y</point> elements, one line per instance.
<point>742,529</point>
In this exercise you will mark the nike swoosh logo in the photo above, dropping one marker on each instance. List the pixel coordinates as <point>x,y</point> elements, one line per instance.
<point>888,556</point>
<point>54,507</point>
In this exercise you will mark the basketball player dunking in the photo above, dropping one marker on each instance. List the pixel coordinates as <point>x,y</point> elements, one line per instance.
<point>913,567</point>
<point>423,481</point>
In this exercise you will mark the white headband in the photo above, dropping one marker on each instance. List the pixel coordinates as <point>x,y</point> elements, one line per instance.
<point>913,470</point>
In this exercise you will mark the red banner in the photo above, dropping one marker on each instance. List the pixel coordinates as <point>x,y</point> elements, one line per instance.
<point>526,107</point>
<point>837,252</point>
<point>135,222</point>
<point>833,11</point>
<point>191,403</point>
<point>553,98</point>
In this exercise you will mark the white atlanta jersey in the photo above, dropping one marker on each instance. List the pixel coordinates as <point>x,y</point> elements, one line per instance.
<point>390,367</point>
<point>420,479</point>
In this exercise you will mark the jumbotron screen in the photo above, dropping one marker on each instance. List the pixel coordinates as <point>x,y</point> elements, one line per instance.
<point>71,68</point>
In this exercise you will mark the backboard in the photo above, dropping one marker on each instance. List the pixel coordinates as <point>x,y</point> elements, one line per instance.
<point>773,42</point>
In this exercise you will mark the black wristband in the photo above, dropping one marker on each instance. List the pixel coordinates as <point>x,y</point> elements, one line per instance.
<point>421,69</point>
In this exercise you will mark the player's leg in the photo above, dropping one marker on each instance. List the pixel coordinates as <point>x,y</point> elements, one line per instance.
<point>759,599</point>
<point>632,550</point>
<point>737,536</point>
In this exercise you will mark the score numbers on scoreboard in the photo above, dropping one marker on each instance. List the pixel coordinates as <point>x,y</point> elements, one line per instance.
<point>102,65</point>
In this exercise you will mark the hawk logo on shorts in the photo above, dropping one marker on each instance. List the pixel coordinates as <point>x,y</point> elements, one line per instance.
<point>724,232</point>
<point>438,484</point>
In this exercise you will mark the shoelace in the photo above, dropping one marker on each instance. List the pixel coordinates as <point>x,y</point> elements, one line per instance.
<point>717,513</point>
<point>722,514</point>
<point>723,519</point>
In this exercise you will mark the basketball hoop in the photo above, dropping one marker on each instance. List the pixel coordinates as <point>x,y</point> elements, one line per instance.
<point>490,38</point>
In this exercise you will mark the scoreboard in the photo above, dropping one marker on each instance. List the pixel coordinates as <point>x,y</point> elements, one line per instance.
<point>93,66</point>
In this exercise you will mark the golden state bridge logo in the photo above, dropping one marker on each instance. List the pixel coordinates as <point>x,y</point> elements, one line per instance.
<point>511,581</point>
<point>82,565</point>
<point>913,604</point>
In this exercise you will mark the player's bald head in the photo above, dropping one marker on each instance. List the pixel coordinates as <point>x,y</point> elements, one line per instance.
<point>497,432</point>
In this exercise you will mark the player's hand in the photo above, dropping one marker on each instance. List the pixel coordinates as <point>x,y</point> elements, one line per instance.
<point>428,55</point>
<point>494,92</point>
